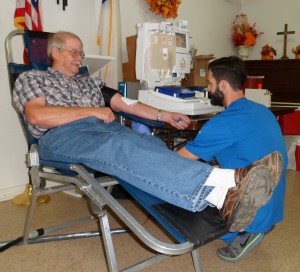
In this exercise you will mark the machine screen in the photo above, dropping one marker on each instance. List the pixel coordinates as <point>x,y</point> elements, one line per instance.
<point>181,40</point>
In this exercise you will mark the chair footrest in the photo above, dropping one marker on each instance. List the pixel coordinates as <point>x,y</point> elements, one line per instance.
<point>198,228</point>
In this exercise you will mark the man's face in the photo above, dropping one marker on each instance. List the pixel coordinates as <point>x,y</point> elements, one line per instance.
<point>69,58</point>
<point>216,95</point>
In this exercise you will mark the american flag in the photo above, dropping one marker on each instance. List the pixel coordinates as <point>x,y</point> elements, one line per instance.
<point>27,15</point>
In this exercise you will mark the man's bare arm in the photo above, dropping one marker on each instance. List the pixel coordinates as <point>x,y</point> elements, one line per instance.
<point>187,154</point>
<point>177,120</point>
<point>37,113</point>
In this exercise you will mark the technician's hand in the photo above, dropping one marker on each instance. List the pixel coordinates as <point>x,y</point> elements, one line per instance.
<point>177,120</point>
<point>105,114</point>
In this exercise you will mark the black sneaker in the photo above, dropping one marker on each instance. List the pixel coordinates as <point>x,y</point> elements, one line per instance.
<point>240,246</point>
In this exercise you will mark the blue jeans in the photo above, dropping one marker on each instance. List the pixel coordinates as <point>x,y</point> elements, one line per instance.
<point>142,160</point>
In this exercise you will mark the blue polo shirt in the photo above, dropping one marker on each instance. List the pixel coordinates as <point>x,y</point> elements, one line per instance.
<point>241,134</point>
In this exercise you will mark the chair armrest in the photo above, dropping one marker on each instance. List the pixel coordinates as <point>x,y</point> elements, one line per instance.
<point>146,122</point>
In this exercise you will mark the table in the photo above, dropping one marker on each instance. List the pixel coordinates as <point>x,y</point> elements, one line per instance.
<point>188,134</point>
<point>170,134</point>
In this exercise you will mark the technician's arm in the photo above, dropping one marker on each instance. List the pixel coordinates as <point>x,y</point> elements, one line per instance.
<point>37,113</point>
<point>187,154</point>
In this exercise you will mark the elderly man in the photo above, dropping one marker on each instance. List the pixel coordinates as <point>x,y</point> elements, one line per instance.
<point>66,112</point>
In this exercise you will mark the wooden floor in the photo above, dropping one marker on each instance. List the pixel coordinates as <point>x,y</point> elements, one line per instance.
<point>278,252</point>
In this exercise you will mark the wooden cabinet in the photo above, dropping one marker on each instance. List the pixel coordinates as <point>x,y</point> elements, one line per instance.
<point>282,78</point>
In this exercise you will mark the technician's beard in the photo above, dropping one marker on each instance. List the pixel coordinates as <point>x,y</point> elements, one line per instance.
<point>217,98</point>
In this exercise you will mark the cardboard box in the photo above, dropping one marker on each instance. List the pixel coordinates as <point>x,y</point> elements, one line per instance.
<point>254,82</point>
<point>129,67</point>
<point>290,123</point>
<point>198,75</point>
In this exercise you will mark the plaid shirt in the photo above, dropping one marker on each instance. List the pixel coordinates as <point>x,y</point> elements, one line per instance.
<point>59,90</point>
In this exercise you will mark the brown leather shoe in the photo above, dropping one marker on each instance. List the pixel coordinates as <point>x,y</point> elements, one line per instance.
<point>254,187</point>
<point>273,161</point>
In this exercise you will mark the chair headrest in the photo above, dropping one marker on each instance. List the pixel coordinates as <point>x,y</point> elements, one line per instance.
<point>36,46</point>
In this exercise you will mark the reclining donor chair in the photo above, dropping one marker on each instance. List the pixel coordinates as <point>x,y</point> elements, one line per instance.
<point>188,230</point>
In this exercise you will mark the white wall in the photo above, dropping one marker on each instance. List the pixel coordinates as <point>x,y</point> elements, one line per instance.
<point>270,17</point>
<point>12,144</point>
<point>209,22</point>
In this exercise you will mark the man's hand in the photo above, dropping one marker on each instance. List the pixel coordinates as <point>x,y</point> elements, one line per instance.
<point>105,114</point>
<point>177,120</point>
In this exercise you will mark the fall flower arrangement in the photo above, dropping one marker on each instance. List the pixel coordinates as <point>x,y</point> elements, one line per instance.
<point>167,8</point>
<point>268,50</point>
<point>296,50</point>
<point>242,32</point>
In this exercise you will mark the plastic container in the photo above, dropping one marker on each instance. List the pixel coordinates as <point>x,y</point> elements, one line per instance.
<point>254,82</point>
<point>290,123</point>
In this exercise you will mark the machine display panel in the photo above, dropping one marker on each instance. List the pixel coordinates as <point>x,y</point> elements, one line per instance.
<point>181,40</point>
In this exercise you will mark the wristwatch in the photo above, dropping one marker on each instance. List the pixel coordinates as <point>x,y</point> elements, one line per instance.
<point>158,116</point>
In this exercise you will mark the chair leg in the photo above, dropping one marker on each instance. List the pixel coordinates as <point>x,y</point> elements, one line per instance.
<point>108,243</point>
<point>196,260</point>
<point>36,182</point>
<point>29,215</point>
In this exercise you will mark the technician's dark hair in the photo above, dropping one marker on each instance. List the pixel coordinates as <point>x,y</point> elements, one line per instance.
<point>232,69</point>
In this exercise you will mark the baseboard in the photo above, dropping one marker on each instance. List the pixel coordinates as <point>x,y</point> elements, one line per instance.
<point>9,193</point>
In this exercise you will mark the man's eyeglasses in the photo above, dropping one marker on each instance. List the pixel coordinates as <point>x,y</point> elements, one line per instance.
<point>74,53</point>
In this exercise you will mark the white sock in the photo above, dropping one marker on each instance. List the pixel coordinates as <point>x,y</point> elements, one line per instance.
<point>222,180</point>
<point>217,196</point>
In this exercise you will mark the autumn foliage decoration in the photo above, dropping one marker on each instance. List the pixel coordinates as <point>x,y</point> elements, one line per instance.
<point>167,8</point>
<point>242,32</point>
